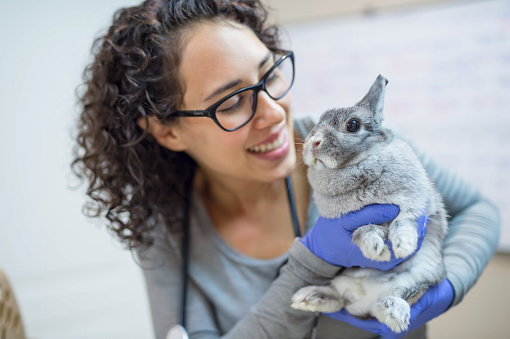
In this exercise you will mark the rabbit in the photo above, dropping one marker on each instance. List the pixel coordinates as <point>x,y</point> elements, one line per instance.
<point>354,161</point>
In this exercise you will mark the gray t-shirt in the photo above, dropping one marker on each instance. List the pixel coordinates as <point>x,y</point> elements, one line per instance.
<point>234,296</point>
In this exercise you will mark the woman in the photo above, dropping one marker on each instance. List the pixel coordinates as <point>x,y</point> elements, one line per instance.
<point>161,172</point>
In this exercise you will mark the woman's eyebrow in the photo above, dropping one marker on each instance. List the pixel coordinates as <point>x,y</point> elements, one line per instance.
<point>266,58</point>
<point>235,82</point>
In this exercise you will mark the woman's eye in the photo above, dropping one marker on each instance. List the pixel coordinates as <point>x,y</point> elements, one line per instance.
<point>272,77</point>
<point>230,105</point>
<point>353,126</point>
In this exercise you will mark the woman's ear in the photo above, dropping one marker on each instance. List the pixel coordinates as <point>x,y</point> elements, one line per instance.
<point>166,136</point>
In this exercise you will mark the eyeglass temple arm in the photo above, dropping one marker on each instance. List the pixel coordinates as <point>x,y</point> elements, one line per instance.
<point>189,114</point>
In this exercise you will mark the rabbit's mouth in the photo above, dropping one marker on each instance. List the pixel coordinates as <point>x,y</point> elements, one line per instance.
<point>319,164</point>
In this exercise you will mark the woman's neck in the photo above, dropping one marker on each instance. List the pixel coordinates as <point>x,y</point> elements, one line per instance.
<point>236,195</point>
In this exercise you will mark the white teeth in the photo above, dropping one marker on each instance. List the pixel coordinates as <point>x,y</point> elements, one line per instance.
<point>270,146</point>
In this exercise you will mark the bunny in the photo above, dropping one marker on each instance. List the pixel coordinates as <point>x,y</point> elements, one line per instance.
<point>354,161</point>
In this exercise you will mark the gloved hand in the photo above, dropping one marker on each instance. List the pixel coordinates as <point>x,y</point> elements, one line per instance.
<point>434,302</point>
<point>331,239</point>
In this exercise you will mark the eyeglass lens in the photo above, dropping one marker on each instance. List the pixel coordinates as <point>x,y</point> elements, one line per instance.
<point>238,109</point>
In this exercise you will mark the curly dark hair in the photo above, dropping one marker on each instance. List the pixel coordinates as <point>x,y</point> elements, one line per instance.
<point>135,74</point>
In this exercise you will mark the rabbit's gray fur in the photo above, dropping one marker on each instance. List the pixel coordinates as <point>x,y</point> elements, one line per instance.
<point>350,170</point>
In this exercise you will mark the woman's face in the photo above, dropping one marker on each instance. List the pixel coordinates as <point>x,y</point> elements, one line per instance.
<point>219,58</point>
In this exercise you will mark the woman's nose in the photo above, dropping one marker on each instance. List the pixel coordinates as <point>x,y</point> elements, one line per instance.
<point>269,111</point>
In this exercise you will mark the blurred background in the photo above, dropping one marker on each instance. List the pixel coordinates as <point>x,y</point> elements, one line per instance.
<point>448,65</point>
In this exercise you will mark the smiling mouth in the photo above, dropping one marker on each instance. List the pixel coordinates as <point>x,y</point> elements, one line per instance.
<point>265,148</point>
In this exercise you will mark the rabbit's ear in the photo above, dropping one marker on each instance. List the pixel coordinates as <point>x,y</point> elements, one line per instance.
<point>374,99</point>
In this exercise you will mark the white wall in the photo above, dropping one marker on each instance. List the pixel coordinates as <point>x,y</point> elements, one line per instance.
<point>287,11</point>
<point>72,280</point>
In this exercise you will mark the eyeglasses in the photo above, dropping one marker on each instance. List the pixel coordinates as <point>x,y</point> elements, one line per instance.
<point>238,108</point>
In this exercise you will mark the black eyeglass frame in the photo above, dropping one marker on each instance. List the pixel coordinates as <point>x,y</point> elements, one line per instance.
<point>210,112</point>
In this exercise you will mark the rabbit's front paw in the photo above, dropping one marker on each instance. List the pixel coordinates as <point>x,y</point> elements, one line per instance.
<point>317,299</point>
<point>370,239</point>
<point>394,312</point>
<point>404,241</point>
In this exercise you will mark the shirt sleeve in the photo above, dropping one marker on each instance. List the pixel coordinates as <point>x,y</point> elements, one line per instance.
<point>474,227</point>
<point>272,316</point>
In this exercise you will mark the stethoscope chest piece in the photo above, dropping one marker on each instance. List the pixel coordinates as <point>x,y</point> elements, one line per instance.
<point>177,332</point>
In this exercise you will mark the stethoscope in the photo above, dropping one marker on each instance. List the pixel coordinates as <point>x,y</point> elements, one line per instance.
<point>179,331</point>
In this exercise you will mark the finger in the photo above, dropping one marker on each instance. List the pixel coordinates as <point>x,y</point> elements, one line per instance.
<point>393,335</point>
<point>371,214</point>
<point>435,301</point>
<point>423,222</point>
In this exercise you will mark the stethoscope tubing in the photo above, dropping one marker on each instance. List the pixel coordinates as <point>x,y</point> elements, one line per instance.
<point>292,205</point>
<point>185,257</point>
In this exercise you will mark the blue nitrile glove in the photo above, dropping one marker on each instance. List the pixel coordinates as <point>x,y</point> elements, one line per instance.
<point>433,303</point>
<point>331,239</point>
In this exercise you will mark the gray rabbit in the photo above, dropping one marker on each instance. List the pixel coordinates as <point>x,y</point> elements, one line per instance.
<point>354,161</point>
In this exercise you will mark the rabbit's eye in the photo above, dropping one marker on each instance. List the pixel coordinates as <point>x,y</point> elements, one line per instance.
<point>353,126</point>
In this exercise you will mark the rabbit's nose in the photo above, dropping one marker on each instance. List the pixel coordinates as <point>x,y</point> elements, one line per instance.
<point>316,144</point>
